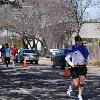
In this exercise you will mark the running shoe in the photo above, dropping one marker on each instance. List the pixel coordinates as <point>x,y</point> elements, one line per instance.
<point>69,91</point>
<point>79,97</point>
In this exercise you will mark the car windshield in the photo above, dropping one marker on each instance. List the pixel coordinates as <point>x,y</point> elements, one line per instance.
<point>61,52</point>
<point>28,51</point>
<point>64,51</point>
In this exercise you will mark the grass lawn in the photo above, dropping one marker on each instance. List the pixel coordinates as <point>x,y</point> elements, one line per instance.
<point>97,63</point>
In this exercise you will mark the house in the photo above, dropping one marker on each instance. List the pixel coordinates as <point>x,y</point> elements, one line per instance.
<point>90,30</point>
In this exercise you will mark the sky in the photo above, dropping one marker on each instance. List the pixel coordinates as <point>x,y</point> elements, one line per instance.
<point>93,11</point>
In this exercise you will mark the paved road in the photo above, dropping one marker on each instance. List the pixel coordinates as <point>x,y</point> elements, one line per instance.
<point>41,82</point>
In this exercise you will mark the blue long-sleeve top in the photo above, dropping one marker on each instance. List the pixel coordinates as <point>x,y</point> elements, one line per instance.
<point>79,55</point>
<point>83,49</point>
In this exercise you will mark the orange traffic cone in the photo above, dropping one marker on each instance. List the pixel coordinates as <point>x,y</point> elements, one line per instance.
<point>25,63</point>
<point>66,72</point>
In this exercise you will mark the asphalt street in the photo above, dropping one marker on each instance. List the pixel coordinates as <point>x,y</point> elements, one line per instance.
<point>42,82</point>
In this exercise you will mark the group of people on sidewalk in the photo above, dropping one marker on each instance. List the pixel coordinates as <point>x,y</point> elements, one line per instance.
<point>7,52</point>
<point>77,60</point>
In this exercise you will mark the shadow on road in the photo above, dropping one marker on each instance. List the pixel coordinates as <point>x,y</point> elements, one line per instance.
<point>42,84</point>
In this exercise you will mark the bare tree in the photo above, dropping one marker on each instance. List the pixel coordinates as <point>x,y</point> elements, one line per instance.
<point>52,22</point>
<point>55,20</point>
<point>24,21</point>
<point>80,7</point>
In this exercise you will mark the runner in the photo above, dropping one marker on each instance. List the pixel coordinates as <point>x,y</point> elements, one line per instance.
<point>14,51</point>
<point>77,59</point>
<point>7,54</point>
<point>2,53</point>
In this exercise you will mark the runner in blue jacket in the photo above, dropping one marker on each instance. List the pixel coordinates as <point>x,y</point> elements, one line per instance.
<point>7,53</point>
<point>78,59</point>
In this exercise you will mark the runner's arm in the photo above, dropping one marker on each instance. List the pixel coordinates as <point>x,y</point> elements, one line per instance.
<point>68,59</point>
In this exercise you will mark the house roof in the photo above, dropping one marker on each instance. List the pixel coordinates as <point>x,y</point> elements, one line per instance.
<point>90,30</point>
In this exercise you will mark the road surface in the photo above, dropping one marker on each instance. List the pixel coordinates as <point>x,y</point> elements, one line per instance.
<point>42,82</point>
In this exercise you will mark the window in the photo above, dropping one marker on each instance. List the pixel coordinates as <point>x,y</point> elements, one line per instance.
<point>28,51</point>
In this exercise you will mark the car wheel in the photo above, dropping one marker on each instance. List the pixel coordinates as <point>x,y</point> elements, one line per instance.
<point>53,66</point>
<point>36,62</point>
<point>21,61</point>
<point>31,62</point>
<point>51,59</point>
<point>16,60</point>
<point>62,65</point>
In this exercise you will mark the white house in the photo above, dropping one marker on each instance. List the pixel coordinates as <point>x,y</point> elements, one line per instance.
<point>90,30</point>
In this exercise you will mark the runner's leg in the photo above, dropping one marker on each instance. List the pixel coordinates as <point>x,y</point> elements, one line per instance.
<point>6,61</point>
<point>81,84</point>
<point>75,81</point>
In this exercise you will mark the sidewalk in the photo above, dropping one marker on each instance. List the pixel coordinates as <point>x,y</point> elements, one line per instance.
<point>94,70</point>
<point>92,84</point>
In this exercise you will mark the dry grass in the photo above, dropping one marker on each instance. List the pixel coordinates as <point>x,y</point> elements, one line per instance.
<point>97,63</point>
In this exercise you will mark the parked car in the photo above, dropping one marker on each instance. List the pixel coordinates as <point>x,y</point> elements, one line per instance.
<point>51,52</point>
<point>0,50</point>
<point>59,58</point>
<point>48,54</point>
<point>30,54</point>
